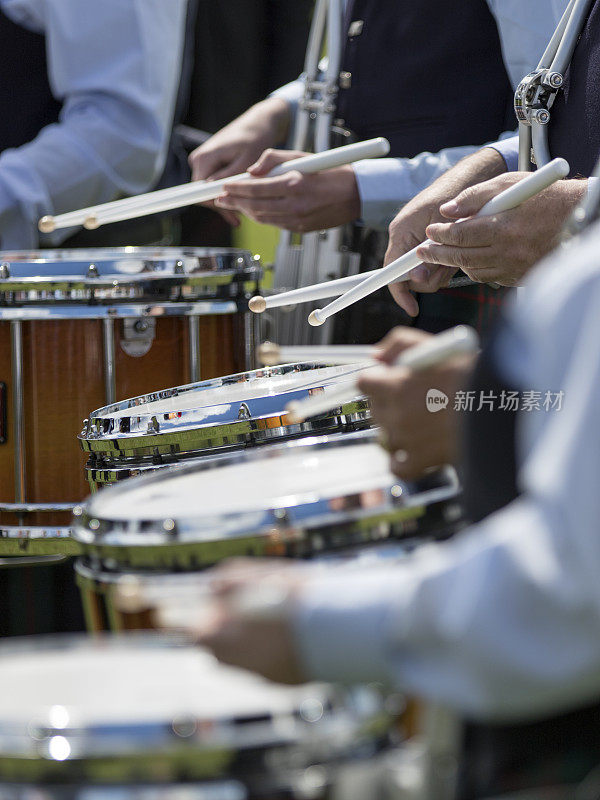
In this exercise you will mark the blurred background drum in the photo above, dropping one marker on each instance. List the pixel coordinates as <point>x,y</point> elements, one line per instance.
<point>312,498</point>
<point>145,717</point>
<point>83,327</point>
<point>164,428</point>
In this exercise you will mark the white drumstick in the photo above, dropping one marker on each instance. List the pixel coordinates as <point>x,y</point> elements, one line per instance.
<point>460,339</point>
<point>191,193</point>
<point>306,294</point>
<point>271,354</point>
<point>510,198</point>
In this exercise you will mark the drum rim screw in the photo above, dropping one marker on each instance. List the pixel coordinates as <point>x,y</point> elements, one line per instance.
<point>94,524</point>
<point>184,727</point>
<point>169,525</point>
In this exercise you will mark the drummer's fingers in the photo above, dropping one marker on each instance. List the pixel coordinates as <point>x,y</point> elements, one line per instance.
<point>407,465</point>
<point>272,158</point>
<point>204,161</point>
<point>220,635</point>
<point>228,169</point>
<point>260,188</point>
<point>272,206</point>
<point>236,573</point>
<point>231,217</point>
<point>381,383</point>
<point>420,449</point>
<point>397,341</point>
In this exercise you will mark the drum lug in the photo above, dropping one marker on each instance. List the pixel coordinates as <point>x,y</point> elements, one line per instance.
<point>138,335</point>
<point>244,412</point>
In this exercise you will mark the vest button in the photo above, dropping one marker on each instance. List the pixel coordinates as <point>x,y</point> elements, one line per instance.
<point>345,80</point>
<point>355,28</point>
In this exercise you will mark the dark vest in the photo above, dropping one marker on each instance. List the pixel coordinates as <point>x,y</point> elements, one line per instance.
<point>26,101</point>
<point>424,74</point>
<point>574,131</point>
<point>511,758</point>
<point>489,470</point>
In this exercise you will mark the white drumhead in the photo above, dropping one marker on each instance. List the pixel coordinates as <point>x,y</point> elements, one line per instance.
<point>277,479</point>
<point>245,390</point>
<point>111,683</point>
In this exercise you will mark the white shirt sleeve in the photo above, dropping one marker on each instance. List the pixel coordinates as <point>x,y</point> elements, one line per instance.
<point>504,621</point>
<point>115,66</point>
<point>386,185</point>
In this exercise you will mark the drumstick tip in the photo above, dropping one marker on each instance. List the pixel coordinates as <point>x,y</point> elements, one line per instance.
<point>315,318</point>
<point>47,224</point>
<point>128,595</point>
<point>268,354</point>
<point>257,304</point>
<point>91,223</point>
<point>294,415</point>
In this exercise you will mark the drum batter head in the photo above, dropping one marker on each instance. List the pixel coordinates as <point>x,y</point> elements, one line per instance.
<point>120,276</point>
<point>147,709</point>
<point>297,499</point>
<point>225,413</point>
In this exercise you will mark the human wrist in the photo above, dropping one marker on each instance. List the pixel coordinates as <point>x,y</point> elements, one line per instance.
<point>482,166</point>
<point>270,119</point>
<point>348,187</point>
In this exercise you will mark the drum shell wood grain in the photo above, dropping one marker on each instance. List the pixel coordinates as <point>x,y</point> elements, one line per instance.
<point>63,372</point>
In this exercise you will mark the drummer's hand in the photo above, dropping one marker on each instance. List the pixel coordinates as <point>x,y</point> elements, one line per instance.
<point>407,229</point>
<point>416,437</point>
<point>503,247</point>
<point>236,146</point>
<point>397,341</point>
<point>257,642</point>
<point>293,201</point>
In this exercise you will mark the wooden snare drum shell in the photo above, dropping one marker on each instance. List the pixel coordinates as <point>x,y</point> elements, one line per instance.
<point>63,372</point>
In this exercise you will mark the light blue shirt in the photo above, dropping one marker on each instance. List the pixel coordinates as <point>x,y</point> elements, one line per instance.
<point>509,150</point>
<point>385,185</point>
<point>115,66</point>
<point>502,622</point>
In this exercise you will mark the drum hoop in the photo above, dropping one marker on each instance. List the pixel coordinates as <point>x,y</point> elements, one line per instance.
<point>206,749</point>
<point>233,436</point>
<point>75,312</point>
<point>164,274</point>
<point>189,543</point>
<point>102,432</point>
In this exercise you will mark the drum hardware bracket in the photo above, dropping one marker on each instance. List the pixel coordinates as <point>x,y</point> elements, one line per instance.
<point>138,336</point>
<point>4,271</point>
<point>535,96</point>
<point>244,412</point>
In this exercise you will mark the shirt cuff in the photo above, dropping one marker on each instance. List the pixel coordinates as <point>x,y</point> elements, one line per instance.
<point>382,190</point>
<point>509,150</point>
<point>292,93</point>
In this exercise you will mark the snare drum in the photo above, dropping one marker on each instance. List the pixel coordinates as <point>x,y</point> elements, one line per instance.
<point>145,718</point>
<point>305,499</point>
<point>81,327</point>
<point>211,417</point>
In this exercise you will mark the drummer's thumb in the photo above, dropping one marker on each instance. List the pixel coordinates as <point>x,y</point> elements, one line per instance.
<point>468,202</point>
<point>271,159</point>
